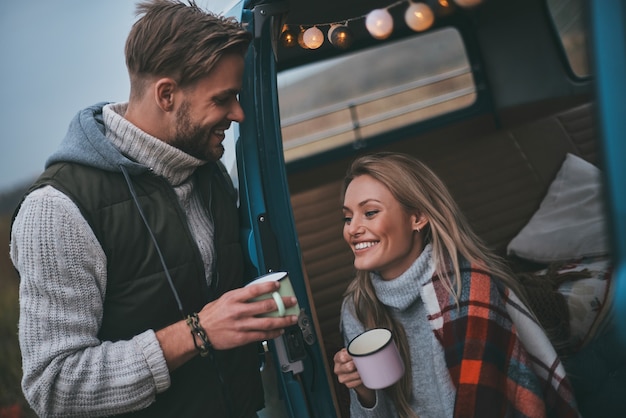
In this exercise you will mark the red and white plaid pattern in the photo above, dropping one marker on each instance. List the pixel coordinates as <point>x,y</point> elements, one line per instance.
<point>500,360</point>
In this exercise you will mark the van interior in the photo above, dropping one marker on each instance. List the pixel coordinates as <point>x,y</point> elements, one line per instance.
<point>499,98</point>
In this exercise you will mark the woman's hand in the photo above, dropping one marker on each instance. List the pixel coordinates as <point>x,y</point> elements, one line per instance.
<point>348,375</point>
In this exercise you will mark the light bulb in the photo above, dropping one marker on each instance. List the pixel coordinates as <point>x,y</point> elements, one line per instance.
<point>329,35</point>
<point>419,17</point>
<point>340,36</point>
<point>301,39</point>
<point>443,7</point>
<point>313,38</point>
<point>288,38</point>
<point>379,23</point>
<point>468,3</point>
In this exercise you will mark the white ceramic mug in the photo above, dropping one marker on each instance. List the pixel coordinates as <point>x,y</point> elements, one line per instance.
<point>376,358</point>
<point>286,289</point>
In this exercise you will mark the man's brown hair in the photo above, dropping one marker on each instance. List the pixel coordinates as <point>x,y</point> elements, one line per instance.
<point>179,40</point>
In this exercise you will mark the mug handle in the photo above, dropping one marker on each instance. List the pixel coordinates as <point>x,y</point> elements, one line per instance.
<point>279,302</point>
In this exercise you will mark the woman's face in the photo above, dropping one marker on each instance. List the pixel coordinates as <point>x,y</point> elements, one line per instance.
<point>382,235</point>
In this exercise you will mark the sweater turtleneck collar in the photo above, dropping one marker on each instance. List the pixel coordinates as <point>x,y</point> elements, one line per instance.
<point>404,290</point>
<point>163,159</point>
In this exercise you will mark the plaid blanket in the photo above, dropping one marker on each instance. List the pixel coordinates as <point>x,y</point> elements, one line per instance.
<point>500,360</point>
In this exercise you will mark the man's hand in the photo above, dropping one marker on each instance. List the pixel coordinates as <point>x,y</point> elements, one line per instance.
<point>229,322</point>
<point>232,321</point>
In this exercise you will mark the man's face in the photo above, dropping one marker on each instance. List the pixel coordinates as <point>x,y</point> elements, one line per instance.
<point>208,108</point>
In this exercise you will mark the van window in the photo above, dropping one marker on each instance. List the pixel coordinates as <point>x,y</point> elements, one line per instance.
<point>345,100</point>
<point>570,20</point>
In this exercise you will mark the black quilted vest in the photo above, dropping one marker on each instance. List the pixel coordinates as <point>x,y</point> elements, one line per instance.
<point>138,296</point>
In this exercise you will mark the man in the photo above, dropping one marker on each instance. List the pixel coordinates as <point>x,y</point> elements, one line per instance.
<point>128,244</point>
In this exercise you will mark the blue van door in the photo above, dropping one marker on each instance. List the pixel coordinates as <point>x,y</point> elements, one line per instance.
<point>295,376</point>
<point>608,25</point>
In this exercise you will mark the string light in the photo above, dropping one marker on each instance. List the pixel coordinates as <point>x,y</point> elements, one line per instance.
<point>419,16</point>
<point>313,37</point>
<point>301,42</point>
<point>288,37</point>
<point>379,23</point>
<point>340,36</point>
<point>468,3</point>
<point>443,8</point>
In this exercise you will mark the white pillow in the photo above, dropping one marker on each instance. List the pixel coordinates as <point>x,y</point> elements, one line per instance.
<point>569,223</point>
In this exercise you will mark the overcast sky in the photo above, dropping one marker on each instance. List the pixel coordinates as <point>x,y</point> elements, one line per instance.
<point>56,58</point>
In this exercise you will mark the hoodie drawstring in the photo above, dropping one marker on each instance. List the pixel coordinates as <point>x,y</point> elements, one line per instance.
<point>227,399</point>
<point>131,188</point>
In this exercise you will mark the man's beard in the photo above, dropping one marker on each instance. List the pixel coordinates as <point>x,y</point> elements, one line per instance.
<point>192,139</point>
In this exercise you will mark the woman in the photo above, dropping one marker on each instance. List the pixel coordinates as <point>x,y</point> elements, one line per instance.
<point>469,346</point>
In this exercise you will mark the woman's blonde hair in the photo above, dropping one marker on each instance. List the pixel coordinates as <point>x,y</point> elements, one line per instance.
<point>418,189</point>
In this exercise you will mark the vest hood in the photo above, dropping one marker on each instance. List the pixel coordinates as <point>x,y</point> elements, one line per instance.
<point>85,143</point>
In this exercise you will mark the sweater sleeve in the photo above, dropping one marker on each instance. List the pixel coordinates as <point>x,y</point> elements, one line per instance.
<point>67,370</point>
<point>350,328</point>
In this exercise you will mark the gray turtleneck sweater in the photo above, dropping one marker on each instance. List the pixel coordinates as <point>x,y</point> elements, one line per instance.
<point>63,284</point>
<point>169,162</point>
<point>433,392</point>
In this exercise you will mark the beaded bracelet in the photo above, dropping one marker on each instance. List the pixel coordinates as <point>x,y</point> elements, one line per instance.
<point>198,333</point>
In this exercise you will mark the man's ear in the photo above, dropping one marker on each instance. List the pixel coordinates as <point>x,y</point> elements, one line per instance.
<point>164,90</point>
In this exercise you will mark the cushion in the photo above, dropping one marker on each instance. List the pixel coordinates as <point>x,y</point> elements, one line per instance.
<point>570,221</point>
